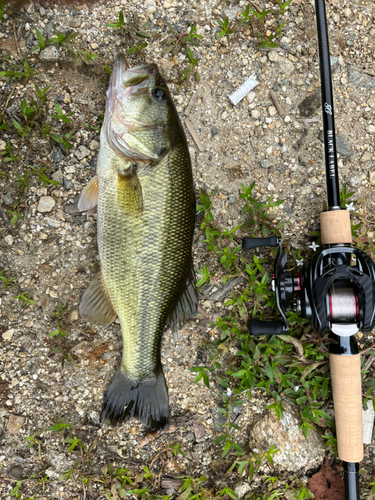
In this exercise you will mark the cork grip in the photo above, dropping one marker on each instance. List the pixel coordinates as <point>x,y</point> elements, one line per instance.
<point>335,227</point>
<point>347,402</point>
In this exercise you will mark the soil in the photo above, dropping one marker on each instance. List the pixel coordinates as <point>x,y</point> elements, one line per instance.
<point>327,484</point>
<point>51,256</point>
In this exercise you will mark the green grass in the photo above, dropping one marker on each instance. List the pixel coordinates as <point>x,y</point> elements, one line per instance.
<point>291,367</point>
<point>59,338</point>
<point>257,22</point>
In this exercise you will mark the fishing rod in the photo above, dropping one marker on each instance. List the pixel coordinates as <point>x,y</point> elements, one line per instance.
<point>335,289</point>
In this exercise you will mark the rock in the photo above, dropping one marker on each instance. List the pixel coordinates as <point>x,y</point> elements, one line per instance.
<point>273,56</point>
<point>57,176</point>
<point>67,184</point>
<point>366,157</point>
<point>16,473</point>
<point>46,204</point>
<point>334,61</point>
<point>49,54</point>
<point>231,199</point>
<point>56,459</point>
<point>288,209</point>
<point>309,106</point>
<point>74,316</point>
<point>59,100</point>
<point>30,41</point>
<point>2,145</point>
<point>313,180</point>
<point>71,209</point>
<point>264,164</point>
<point>12,111</point>
<point>8,334</point>
<point>14,424</point>
<point>287,67</point>
<point>241,489</point>
<point>8,199</point>
<point>199,431</point>
<point>108,355</point>
<point>94,161</point>
<point>230,13</point>
<point>94,145</point>
<point>150,6</point>
<point>371,129</point>
<point>82,152</point>
<point>360,80</point>
<point>342,146</point>
<point>214,131</point>
<point>296,452</point>
<point>272,111</point>
<point>220,294</point>
<point>57,154</point>
<point>372,178</point>
<point>9,239</point>
<point>165,67</point>
<point>71,169</point>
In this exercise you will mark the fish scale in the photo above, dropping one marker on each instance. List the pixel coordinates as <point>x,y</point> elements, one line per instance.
<point>164,224</point>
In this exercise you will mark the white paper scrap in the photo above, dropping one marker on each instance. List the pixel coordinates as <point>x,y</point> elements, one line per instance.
<point>242,91</point>
<point>368,417</point>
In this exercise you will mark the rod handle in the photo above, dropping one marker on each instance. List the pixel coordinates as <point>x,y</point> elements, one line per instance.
<point>249,243</point>
<point>257,327</point>
<point>335,227</point>
<point>347,402</point>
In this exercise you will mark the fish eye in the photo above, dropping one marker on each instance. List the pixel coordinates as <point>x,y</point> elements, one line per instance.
<point>159,94</point>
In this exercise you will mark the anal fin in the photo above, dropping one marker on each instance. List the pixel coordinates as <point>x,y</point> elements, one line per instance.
<point>89,195</point>
<point>95,306</point>
<point>187,303</point>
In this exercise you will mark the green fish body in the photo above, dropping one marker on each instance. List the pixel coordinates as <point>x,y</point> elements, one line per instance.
<point>146,205</point>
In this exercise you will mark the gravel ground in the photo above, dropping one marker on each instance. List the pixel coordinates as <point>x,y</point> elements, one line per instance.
<point>52,255</point>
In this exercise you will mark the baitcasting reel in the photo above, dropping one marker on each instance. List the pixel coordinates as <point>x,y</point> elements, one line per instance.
<point>334,290</point>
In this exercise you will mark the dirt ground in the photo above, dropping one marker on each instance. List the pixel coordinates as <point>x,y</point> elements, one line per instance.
<point>52,254</point>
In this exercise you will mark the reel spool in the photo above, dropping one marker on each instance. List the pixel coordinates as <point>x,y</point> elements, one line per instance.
<point>342,304</point>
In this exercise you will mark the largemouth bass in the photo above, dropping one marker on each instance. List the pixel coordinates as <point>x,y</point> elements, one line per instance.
<point>146,207</point>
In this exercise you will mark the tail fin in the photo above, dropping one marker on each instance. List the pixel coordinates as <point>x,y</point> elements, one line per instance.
<point>147,399</point>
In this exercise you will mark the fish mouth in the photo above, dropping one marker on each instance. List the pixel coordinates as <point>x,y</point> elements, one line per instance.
<point>132,80</point>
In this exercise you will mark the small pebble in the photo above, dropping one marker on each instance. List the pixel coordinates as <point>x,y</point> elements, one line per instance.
<point>9,239</point>
<point>46,204</point>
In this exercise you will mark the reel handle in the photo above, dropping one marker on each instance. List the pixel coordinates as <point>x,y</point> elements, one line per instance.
<point>249,243</point>
<point>257,327</point>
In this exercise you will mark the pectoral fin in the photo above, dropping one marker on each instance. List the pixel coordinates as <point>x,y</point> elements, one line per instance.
<point>89,196</point>
<point>95,306</point>
<point>187,303</point>
<point>131,189</point>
